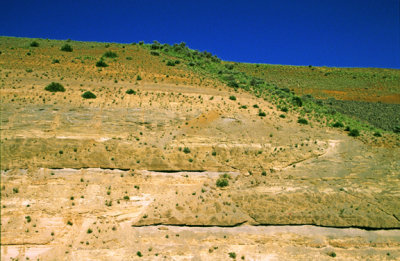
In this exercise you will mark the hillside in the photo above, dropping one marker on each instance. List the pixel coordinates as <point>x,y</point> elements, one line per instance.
<point>178,155</point>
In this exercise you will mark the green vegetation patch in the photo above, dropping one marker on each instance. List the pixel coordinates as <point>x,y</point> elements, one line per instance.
<point>55,87</point>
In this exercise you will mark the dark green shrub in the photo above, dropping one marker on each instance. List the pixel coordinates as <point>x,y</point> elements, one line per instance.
<point>126,197</point>
<point>89,231</point>
<point>88,95</point>
<point>262,114</point>
<point>101,63</point>
<point>186,150</point>
<point>222,182</point>
<point>396,129</point>
<point>177,62</point>
<point>66,48</point>
<point>338,124</point>
<point>331,254</point>
<point>55,61</point>
<point>377,134</point>
<point>34,44</point>
<point>170,63</point>
<point>55,87</point>
<point>130,91</point>
<point>138,78</point>
<point>282,116</point>
<point>110,54</point>
<point>233,98</point>
<point>347,128</point>
<point>297,101</point>
<point>28,219</point>
<point>139,254</point>
<point>155,53</point>
<point>354,133</point>
<point>284,109</point>
<point>302,121</point>
<point>232,255</point>
<point>233,84</point>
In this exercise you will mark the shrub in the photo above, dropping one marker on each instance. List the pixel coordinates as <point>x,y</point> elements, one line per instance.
<point>297,101</point>
<point>261,113</point>
<point>55,61</point>
<point>282,116</point>
<point>354,133</point>
<point>155,53</point>
<point>110,54</point>
<point>396,129</point>
<point>89,95</point>
<point>232,255</point>
<point>338,124</point>
<point>130,91</point>
<point>126,197</point>
<point>101,63</point>
<point>138,78</point>
<point>55,87</point>
<point>302,121</point>
<point>377,134</point>
<point>66,48</point>
<point>222,182</point>
<point>233,98</point>
<point>89,231</point>
<point>233,84</point>
<point>331,254</point>
<point>34,44</point>
<point>170,63</point>
<point>139,254</point>
<point>186,150</point>
<point>284,109</point>
<point>28,219</point>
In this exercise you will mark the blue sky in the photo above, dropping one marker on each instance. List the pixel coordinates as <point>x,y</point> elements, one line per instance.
<point>350,33</point>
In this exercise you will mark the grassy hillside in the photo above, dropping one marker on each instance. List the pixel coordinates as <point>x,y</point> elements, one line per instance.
<point>312,92</point>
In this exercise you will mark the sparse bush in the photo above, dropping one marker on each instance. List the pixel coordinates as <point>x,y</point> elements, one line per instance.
<point>110,54</point>
<point>377,134</point>
<point>55,87</point>
<point>88,95</point>
<point>233,98</point>
<point>170,63</point>
<point>354,133</point>
<point>297,101</point>
<point>130,91</point>
<point>222,182</point>
<point>34,44</point>
<point>101,63</point>
<point>302,121</point>
<point>261,113</point>
<point>66,48</point>
<point>232,255</point>
<point>338,124</point>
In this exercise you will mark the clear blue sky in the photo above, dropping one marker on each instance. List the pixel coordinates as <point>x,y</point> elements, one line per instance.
<point>344,33</point>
